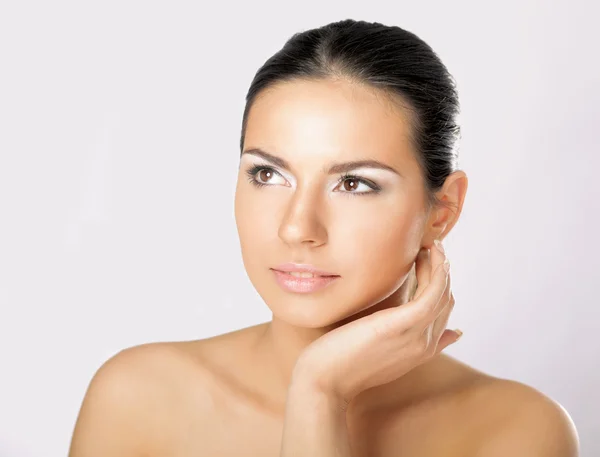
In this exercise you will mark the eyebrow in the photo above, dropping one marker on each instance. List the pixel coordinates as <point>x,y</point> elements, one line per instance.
<point>333,169</point>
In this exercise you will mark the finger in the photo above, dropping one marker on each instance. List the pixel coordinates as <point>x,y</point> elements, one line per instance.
<point>420,311</point>
<point>441,322</point>
<point>422,271</point>
<point>446,299</point>
<point>432,328</point>
<point>439,259</point>
<point>440,317</point>
<point>427,262</point>
<point>438,256</point>
<point>433,331</point>
<point>431,335</point>
<point>423,309</point>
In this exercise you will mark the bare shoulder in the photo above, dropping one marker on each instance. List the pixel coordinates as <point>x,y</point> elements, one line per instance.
<point>519,420</point>
<point>132,404</point>
<point>470,413</point>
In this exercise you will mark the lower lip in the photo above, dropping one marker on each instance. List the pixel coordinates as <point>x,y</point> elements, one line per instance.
<point>303,285</point>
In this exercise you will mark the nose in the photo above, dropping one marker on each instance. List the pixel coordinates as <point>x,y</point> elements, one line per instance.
<point>302,222</point>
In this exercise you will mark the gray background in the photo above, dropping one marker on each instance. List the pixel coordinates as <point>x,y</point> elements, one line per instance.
<point>119,131</point>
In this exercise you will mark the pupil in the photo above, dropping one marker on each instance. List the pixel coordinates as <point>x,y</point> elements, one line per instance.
<point>267,172</point>
<point>353,186</point>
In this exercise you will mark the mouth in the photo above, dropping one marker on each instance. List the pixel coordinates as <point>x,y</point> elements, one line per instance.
<point>302,282</point>
<point>303,274</point>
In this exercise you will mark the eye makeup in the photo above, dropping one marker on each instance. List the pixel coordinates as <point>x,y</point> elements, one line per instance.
<point>375,189</point>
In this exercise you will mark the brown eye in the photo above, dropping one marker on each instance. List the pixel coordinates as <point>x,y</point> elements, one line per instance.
<point>260,176</point>
<point>351,182</point>
<point>264,175</point>
<point>352,186</point>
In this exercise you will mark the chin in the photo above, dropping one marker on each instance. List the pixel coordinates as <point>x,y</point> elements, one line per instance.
<point>312,312</point>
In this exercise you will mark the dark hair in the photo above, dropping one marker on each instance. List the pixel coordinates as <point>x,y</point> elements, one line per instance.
<point>382,57</point>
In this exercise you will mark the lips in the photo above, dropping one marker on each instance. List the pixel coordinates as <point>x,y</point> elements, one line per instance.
<point>303,270</point>
<point>291,283</point>
<point>304,274</point>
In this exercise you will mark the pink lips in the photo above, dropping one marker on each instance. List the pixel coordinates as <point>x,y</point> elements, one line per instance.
<point>303,285</point>
<point>303,268</point>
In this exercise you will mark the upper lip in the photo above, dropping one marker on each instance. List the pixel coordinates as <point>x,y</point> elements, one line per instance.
<point>300,267</point>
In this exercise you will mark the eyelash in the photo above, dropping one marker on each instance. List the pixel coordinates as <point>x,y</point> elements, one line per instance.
<point>257,168</point>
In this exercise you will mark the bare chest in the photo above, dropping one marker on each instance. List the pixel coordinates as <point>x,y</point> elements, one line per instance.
<point>420,432</point>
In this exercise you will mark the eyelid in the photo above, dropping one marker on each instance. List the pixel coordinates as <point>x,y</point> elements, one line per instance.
<point>350,175</point>
<point>253,170</point>
<point>357,172</point>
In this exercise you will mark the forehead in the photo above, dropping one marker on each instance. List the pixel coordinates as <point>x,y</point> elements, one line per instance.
<point>329,119</point>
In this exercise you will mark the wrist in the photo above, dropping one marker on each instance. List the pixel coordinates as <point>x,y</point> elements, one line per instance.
<point>305,389</point>
<point>315,422</point>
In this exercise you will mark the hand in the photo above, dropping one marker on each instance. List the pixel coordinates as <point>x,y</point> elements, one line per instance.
<point>383,346</point>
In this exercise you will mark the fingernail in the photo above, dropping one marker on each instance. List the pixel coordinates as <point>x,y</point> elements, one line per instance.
<point>460,333</point>
<point>446,265</point>
<point>438,244</point>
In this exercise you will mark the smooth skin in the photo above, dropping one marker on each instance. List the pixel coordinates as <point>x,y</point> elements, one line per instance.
<point>368,352</point>
<point>385,345</point>
<point>327,368</point>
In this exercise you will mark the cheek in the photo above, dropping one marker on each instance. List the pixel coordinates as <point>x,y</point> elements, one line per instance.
<point>380,248</point>
<point>378,262</point>
<point>385,245</point>
<point>255,221</point>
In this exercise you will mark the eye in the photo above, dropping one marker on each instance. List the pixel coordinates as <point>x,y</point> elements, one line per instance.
<point>350,183</point>
<point>263,173</point>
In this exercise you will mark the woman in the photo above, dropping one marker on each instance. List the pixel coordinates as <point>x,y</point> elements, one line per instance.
<point>348,180</point>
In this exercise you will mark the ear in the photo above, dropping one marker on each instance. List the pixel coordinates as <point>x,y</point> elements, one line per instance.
<point>443,217</point>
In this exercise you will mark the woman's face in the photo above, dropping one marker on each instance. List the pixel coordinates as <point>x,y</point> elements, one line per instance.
<point>367,232</point>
